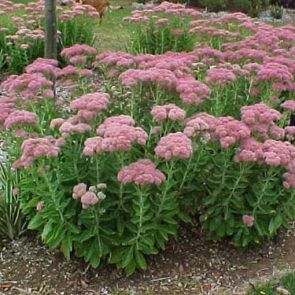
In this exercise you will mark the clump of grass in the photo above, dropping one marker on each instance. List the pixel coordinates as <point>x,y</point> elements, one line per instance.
<point>286,282</point>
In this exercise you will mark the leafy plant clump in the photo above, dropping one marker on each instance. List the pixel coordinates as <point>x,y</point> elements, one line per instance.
<point>12,221</point>
<point>109,171</point>
<point>277,12</point>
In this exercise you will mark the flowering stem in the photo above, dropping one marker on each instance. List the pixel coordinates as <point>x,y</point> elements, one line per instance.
<point>249,90</point>
<point>167,186</point>
<point>186,172</point>
<point>96,168</point>
<point>96,225</point>
<point>52,194</point>
<point>241,174</point>
<point>140,214</point>
<point>121,161</point>
<point>269,177</point>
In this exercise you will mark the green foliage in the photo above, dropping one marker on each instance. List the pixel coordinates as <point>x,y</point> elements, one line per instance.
<point>79,30</point>
<point>213,5</point>
<point>14,57</point>
<point>157,39</point>
<point>277,11</point>
<point>250,7</point>
<point>12,220</point>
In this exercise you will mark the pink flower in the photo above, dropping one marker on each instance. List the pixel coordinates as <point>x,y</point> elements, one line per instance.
<point>79,190</point>
<point>250,150</point>
<point>70,128</point>
<point>40,206</point>
<point>15,191</point>
<point>290,132</point>
<point>44,66</point>
<point>168,111</point>
<point>260,118</point>
<point>289,105</point>
<point>248,220</point>
<point>220,76</point>
<point>34,148</point>
<point>56,122</point>
<point>78,59</point>
<point>19,118</point>
<point>116,134</point>
<point>94,102</point>
<point>89,199</point>
<point>141,172</point>
<point>192,91</point>
<point>174,145</point>
<point>229,131</point>
<point>78,49</point>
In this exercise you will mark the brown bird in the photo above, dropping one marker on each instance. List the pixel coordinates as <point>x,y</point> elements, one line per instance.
<point>99,5</point>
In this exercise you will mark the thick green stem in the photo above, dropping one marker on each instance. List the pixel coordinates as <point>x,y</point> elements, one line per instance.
<point>52,195</point>
<point>140,221</point>
<point>166,189</point>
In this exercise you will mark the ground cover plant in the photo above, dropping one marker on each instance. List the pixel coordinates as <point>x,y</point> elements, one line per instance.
<point>109,171</point>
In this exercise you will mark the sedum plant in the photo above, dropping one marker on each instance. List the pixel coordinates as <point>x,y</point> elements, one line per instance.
<point>109,173</point>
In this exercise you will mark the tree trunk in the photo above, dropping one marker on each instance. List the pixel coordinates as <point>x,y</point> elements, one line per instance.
<point>50,29</point>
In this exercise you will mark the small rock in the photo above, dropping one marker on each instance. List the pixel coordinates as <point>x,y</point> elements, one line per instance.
<point>137,6</point>
<point>283,291</point>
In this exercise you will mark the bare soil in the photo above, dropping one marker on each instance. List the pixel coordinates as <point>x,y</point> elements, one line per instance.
<point>191,265</point>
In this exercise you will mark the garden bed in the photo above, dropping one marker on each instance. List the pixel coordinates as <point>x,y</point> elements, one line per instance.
<point>192,265</point>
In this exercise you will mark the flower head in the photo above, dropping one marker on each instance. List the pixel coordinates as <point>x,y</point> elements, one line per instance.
<point>174,145</point>
<point>141,172</point>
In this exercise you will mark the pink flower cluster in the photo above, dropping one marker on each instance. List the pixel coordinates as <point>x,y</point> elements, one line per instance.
<point>174,145</point>
<point>219,76</point>
<point>78,53</point>
<point>19,118</point>
<point>230,131</point>
<point>34,148</point>
<point>91,102</point>
<point>89,197</point>
<point>141,172</point>
<point>226,130</point>
<point>271,152</point>
<point>68,128</point>
<point>290,133</point>
<point>177,62</point>
<point>260,118</point>
<point>145,15</point>
<point>201,124</point>
<point>250,150</point>
<point>114,58</point>
<point>288,105</point>
<point>168,111</point>
<point>163,77</point>
<point>248,220</point>
<point>7,106</point>
<point>192,91</point>
<point>274,72</point>
<point>47,67</point>
<point>116,134</point>
<point>28,85</point>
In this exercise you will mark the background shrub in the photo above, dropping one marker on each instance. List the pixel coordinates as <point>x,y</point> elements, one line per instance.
<point>213,5</point>
<point>157,39</point>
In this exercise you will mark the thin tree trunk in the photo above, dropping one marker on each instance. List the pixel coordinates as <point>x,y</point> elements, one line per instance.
<point>50,29</point>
